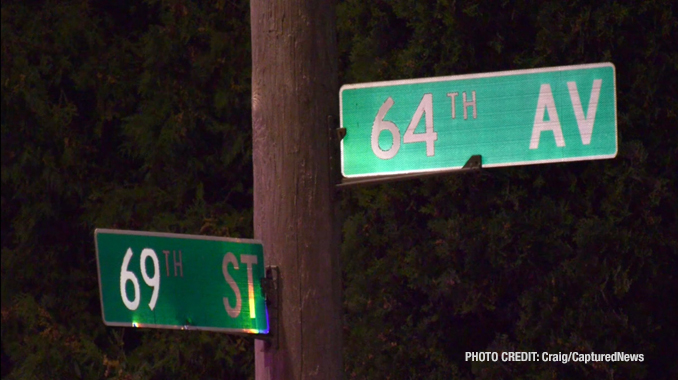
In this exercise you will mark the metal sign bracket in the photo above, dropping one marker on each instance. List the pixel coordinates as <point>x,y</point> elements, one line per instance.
<point>270,285</point>
<point>473,163</point>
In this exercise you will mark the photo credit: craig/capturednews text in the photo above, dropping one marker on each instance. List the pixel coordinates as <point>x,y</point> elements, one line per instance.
<point>533,356</point>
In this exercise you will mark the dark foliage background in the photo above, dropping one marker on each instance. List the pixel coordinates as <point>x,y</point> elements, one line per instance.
<point>131,115</point>
<point>136,115</point>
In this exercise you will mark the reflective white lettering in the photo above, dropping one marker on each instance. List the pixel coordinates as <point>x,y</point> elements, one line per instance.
<point>233,312</point>
<point>452,96</point>
<point>178,264</point>
<point>380,125</point>
<point>467,104</point>
<point>430,136</point>
<point>154,281</point>
<point>546,103</point>
<point>585,123</point>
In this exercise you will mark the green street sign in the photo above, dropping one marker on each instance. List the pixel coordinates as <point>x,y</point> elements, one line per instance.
<point>163,280</point>
<point>521,117</point>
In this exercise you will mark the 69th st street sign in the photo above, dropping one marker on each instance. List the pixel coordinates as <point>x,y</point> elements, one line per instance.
<point>163,280</point>
<point>510,118</point>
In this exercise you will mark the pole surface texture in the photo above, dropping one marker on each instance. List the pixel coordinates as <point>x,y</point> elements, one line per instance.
<point>294,90</point>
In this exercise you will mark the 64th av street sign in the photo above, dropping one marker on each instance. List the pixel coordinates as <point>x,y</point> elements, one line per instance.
<point>163,280</point>
<point>510,118</point>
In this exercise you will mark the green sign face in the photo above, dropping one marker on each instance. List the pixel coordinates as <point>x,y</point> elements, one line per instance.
<point>510,118</point>
<point>175,281</point>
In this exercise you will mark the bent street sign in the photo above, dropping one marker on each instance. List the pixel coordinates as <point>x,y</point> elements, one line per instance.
<point>163,280</point>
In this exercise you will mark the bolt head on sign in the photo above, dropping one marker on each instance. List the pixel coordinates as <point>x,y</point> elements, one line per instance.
<point>519,117</point>
<point>176,281</point>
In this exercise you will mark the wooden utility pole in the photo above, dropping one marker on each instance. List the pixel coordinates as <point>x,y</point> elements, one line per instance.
<point>294,90</point>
